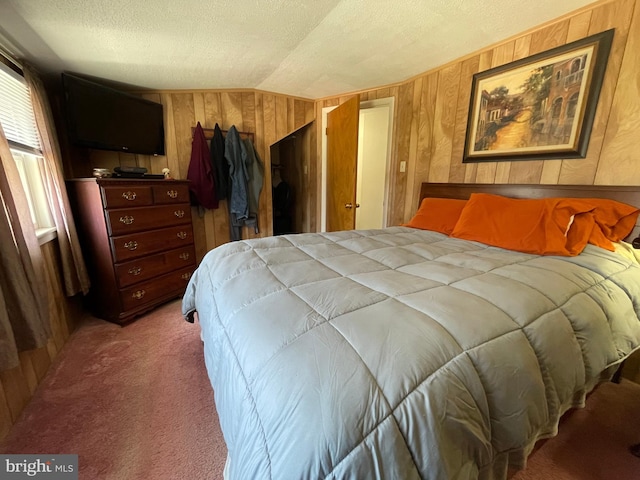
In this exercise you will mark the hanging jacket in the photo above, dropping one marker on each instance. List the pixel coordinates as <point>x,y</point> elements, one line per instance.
<point>239,196</point>
<point>219,163</point>
<point>255,170</point>
<point>200,174</point>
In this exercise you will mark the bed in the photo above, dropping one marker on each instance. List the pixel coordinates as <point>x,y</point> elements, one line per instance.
<point>405,353</point>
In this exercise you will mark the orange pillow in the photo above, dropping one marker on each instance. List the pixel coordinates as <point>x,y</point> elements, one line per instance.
<point>584,224</point>
<point>539,226</point>
<point>437,214</point>
<point>597,237</point>
<point>616,219</point>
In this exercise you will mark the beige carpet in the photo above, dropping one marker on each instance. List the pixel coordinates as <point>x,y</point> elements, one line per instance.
<point>135,403</point>
<point>593,442</point>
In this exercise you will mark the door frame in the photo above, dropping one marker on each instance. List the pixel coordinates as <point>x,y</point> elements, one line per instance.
<point>389,101</point>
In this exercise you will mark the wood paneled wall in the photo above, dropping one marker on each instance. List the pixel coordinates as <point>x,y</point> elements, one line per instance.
<point>270,117</point>
<point>428,133</point>
<point>18,384</point>
<point>431,114</point>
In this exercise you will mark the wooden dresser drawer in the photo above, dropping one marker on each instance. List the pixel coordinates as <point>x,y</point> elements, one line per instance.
<point>128,247</point>
<point>152,266</point>
<point>148,292</point>
<point>127,196</point>
<point>130,220</point>
<point>163,194</point>
<point>137,239</point>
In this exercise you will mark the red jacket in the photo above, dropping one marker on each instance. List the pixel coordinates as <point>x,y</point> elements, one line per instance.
<point>200,173</point>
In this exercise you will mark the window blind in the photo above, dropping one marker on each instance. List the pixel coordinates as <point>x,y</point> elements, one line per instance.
<point>16,113</point>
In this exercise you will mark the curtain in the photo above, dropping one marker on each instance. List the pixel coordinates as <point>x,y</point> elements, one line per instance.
<point>24,314</point>
<point>74,270</point>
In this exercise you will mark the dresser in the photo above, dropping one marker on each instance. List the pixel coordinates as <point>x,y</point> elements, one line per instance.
<point>137,241</point>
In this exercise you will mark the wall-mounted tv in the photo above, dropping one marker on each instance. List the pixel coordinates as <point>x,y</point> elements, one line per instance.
<point>104,118</point>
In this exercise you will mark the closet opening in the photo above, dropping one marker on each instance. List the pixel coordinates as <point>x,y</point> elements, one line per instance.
<point>290,183</point>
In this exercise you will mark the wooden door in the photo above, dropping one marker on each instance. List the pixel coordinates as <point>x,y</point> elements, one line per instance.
<point>342,162</point>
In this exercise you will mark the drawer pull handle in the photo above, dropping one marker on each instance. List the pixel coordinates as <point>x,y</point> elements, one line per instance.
<point>135,270</point>
<point>138,295</point>
<point>129,195</point>
<point>182,235</point>
<point>127,220</point>
<point>185,276</point>
<point>184,256</point>
<point>179,213</point>
<point>132,245</point>
<point>172,193</point>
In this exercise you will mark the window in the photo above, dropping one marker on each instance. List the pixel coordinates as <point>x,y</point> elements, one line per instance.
<point>576,65</point>
<point>557,108</point>
<point>19,125</point>
<point>571,106</point>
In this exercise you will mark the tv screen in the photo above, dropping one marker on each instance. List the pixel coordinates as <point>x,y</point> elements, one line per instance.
<point>103,118</point>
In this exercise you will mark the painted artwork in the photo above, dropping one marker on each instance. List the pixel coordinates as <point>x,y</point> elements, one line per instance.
<point>539,107</point>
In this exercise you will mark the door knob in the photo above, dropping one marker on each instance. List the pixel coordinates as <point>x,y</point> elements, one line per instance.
<point>348,205</point>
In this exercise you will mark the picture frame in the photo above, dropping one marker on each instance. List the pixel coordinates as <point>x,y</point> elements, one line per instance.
<point>540,107</point>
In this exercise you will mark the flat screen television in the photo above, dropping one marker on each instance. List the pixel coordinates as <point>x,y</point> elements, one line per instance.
<point>104,118</point>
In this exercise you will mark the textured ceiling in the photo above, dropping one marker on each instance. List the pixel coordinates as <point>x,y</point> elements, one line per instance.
<point>307,48</point>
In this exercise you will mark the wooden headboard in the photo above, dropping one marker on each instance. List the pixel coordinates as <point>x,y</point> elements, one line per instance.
<point>627,194</point>
<point>622,193</point>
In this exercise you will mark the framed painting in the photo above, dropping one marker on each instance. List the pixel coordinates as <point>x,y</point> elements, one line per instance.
<point>539,107</point>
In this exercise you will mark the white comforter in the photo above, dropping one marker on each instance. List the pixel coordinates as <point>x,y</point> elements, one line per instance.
<point>401,353</point>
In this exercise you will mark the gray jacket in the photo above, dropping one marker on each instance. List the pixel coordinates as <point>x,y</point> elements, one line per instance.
<point>239,197</point>
<point>255,169</point>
